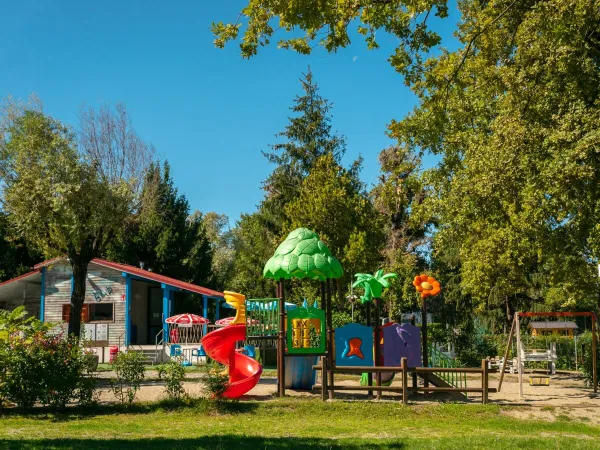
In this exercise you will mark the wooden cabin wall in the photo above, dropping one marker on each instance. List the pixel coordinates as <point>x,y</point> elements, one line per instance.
<point>99,279</point>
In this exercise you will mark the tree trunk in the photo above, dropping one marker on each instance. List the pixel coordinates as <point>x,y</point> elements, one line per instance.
<point>509,313</point>
<point>77,296</point>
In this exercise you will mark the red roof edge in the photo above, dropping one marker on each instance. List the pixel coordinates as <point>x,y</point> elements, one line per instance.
<point>132,270</point>
<point>48,262</point>
<point>136,271</point>
<point>20,277</point>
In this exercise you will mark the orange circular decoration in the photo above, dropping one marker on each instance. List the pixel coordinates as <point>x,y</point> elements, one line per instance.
<point>427,286</point>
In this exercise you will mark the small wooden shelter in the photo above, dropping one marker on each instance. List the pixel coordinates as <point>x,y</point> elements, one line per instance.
<point>544,328</point>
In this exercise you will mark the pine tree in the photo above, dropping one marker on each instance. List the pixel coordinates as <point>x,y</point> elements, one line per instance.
<point>308,136</point>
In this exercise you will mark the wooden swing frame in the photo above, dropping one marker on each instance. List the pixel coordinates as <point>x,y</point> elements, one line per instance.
<point>516,329</point>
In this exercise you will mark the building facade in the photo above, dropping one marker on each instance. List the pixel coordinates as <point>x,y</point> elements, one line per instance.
<point>124,305</point>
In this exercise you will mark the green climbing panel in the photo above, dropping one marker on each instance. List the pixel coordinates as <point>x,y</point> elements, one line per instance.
<point>306,330</point>
<point>262,317</point>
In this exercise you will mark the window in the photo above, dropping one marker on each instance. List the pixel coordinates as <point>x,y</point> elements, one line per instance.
<point>91,312</point>
<point>101,311</point>
<point>66,311</point>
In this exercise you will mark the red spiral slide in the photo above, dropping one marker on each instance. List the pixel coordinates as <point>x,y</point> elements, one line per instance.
<point>244,372</point>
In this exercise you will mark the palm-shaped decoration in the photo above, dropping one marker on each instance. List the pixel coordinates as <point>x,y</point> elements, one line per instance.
<point>373,284</point>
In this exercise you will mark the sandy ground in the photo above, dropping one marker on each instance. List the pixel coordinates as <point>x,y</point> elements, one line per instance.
<point>565,399</point>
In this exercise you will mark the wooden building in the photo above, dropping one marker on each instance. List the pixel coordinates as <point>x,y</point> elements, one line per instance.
<point>543,328</point>
<point>124,305</point>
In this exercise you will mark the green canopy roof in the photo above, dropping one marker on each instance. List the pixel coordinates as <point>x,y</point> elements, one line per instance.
<point>302,255</point>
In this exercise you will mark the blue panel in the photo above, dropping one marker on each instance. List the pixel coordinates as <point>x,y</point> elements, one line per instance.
<point>217,307</point>
<point>205,311</point>
<point>354,345</point>
<point>43,295</point>
<point>127,309</point>
<point>166,312</point>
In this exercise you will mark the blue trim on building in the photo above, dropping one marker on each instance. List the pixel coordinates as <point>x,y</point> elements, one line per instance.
<point>166,311</point>
<point>43,295</point>
<point>127,309</point>
<point>205,298</point>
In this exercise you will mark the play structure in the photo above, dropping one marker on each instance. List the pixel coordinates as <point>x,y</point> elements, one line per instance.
<point>549,355</point>
<point>220,345</point>
<point>376,352</point>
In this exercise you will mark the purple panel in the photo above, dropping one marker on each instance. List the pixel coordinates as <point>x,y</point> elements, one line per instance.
<point>401,341</point>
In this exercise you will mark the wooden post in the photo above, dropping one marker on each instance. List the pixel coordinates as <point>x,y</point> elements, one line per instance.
<point>506,353</point>
<point>484,381</point>
<point>281,349</point>
<point>330,363</point>
<point>519,362</point>
<point>404,366</point>
<point>278,295</point>
<point>414,374</point>
<point>424,339</point>
<point>377,335</point>
<point>369,374</point>
<point>594,355</point>
<point>324,390</point>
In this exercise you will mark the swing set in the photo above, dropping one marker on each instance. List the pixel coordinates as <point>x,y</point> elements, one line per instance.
<point>515,329</point>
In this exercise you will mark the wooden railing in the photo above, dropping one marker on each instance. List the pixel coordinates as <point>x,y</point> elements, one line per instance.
<point>404,370</point>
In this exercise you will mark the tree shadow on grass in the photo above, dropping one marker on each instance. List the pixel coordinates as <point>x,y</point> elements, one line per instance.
<point>198,406</point>
<point>208,442</point>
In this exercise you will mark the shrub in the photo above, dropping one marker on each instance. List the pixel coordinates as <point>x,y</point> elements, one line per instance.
<point>173,373</point>
<point>129,371</point>
<point>585,358</point>
<point>340,318</point>
<point>214,381</point>
<point>38,366</point>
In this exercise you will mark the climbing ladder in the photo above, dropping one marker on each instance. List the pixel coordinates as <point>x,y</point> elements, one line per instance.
<point>439,359</point>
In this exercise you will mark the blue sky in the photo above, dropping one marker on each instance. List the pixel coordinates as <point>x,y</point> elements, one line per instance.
<point>208,111</point>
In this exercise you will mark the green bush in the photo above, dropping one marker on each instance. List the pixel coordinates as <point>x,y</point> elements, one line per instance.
<point>340,318</point>
<point>37,366</point>
<point>585,358</point>
<point>214,381</point>
<point>129,370</point>
<point>173,373</point>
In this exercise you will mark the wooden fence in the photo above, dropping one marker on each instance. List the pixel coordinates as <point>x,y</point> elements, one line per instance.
<point>404,370</point>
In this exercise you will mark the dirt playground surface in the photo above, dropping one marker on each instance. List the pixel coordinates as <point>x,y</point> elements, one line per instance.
<point>565,398</point>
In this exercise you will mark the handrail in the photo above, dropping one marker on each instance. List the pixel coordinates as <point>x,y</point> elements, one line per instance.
<point>119,339</point>
<point>439,359</point>
<point>160,334</point>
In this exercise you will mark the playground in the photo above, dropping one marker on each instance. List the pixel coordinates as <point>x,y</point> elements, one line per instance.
<point>273,348</point>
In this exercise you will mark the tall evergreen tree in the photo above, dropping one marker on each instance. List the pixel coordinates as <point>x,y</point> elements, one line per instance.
<point>308,136</point>
<point>164,237</point>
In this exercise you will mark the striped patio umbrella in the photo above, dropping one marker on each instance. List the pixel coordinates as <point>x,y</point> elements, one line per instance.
<point>187,319</point>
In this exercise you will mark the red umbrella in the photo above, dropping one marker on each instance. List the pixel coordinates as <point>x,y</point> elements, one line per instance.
<point>227,321</point>
<point>187,319</point>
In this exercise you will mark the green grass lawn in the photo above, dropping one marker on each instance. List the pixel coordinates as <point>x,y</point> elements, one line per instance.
<point>292,423</point>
